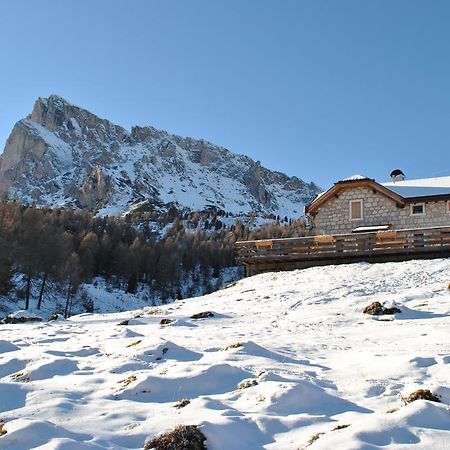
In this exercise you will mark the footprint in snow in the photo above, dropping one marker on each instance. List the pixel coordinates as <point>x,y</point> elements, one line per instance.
<point>375,391</point>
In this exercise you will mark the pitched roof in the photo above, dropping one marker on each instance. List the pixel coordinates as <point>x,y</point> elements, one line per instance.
<point>401,192</point>
<point>352,182</point>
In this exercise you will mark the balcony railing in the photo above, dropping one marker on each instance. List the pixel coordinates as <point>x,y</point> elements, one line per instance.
<point>281,254</point>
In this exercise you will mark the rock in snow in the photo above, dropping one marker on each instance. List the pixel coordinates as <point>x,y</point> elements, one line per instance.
<point>64,155</point>
<point>376,309</point>
<point>22,316</point>
<point>314,368</point>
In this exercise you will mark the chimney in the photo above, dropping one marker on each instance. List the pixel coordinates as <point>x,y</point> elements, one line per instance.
<point>397,175</point>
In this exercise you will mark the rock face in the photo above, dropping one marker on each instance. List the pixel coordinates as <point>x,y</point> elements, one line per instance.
<point>63,155</point>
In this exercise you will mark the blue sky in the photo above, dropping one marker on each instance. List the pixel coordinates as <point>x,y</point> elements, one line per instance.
<point>318,89</point>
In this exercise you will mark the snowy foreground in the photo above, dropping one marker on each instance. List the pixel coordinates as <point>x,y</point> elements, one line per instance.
<point>313,360</point>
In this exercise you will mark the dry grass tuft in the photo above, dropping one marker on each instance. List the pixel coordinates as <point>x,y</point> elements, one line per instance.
<point>392,410</point>
<point>16,320</point>
<point>129,380</point>
<point>420,305</point>
<point>228,347</point>
<point>165,321</point>
<point>247,384</point>
<point>134,343</point>
<point>183,437</point>
<point>421,394</point>
<point>314,438</point>
<point>202,315</point>
<point>341,427</point>
<point>153,311</point>
<point>2,428</point>
<point>20,376</point>
<point>182,403</point>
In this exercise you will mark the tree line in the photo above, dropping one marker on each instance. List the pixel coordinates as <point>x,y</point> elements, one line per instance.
<point>69,247</point>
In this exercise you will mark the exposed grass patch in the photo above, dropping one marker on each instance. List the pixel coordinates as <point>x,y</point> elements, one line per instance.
<point>341,427</point>
<point>183,437</point>
<point>392,410</point>
<point>16,320</point>
<point>420,305</point>
<point>153,311</point>
<point>127,381</point>
<point>314,438</point>
<point>182,403</point>
<point>134,343</point>
<point>2,428</point>
<point>20,376</point>
<point>247,384</point>
<point>421,394</point>
<point>165,321</point>
<point>228,347</point>
<point>202,315</point>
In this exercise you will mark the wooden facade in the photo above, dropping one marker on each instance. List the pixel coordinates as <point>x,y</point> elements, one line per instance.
<point>297,253</point>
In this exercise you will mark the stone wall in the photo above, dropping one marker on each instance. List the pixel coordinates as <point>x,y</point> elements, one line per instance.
<point>334,216</point>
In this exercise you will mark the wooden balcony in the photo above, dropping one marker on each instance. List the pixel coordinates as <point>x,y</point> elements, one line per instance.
<point>382,246</point>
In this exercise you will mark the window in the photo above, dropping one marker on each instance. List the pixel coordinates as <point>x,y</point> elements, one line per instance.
<point>418,209</point>
<point>356,209</point>
<point>448,206</point>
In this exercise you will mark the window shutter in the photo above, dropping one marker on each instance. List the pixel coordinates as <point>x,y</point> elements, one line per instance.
<point>356,212</point>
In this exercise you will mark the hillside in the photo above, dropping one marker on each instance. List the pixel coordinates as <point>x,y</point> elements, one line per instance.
<point>63,155</point>
<point>286,356</point>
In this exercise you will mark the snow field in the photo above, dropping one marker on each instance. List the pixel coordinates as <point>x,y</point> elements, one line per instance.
<point>287,356</point>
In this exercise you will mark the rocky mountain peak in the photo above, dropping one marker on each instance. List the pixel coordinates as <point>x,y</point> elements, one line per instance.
<point>53,112</point>
<point>62,154</point>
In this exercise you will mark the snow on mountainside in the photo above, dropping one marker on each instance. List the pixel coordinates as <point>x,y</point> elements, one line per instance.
<point>64,155</point>
<point>287,359</point>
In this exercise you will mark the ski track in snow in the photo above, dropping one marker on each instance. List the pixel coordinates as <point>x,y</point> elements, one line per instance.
<point>319,363</point>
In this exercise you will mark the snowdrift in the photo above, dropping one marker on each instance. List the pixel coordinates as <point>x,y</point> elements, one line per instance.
<point>285,361</point>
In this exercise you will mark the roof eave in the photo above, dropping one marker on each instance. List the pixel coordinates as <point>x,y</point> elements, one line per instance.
<point>427,198</point>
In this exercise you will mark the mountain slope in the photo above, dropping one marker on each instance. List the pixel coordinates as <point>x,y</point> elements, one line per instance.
<point>64,155</point>
<point>287,356</point>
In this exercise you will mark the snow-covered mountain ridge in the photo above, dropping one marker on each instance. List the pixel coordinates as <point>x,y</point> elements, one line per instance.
<point>287,361</point>
<point>63,155</point>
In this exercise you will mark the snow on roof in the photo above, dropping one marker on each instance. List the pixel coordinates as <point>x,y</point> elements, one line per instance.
<point>355,177</point>
<point>420,188</point>
<point>371,228</point>
<point>352,178</point>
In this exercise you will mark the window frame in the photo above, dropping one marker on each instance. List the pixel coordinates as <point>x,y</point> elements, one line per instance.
<point>411,210</point>
<point>361,202</point>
